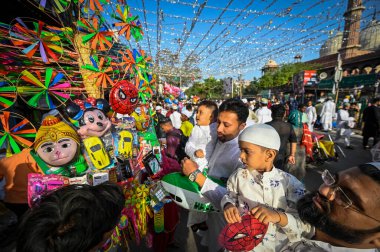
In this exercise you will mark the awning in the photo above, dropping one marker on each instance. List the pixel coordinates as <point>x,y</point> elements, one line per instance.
<point>350,81</point>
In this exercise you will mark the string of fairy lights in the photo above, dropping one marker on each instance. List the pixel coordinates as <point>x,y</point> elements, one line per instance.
<point>227,40</point>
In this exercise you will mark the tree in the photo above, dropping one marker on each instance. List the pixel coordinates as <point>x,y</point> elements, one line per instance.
<point>283,75</point>
<point>252,89</point>
<point>208,89</point>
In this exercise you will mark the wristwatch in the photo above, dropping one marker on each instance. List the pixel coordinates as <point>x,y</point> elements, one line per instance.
<point>193,175</point>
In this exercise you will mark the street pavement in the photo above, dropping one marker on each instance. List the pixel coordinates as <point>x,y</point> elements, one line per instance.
<point>188,241</point>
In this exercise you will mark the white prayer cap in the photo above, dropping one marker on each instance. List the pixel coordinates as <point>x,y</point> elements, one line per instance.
<point>187,113</point>
<point>262,135</point>
<point>158,108</point>
<point>244,100</point>
<point>174,106</point>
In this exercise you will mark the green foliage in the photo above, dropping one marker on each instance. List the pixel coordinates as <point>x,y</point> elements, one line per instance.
<point>208,89</point>
<point>283,75</point>
<point>252,89</point>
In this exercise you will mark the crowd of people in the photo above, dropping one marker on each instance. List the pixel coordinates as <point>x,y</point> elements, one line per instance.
<point>258,152</point>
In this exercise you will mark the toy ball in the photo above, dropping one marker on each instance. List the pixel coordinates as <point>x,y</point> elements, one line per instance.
<point>168,101</point>
<point>244,235</point>
<point>175,101</point>
<point>123,97</point>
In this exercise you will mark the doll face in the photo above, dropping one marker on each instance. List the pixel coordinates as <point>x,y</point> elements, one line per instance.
<point>58,153</point>
<point>95,123</point>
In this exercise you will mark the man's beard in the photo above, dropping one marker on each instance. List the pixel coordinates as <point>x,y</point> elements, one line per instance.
<point>310,213</point>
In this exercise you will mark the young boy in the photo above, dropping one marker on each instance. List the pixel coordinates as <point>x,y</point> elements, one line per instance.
<point>263,191</point>
<point>199,148</point>
<point>186,126</point>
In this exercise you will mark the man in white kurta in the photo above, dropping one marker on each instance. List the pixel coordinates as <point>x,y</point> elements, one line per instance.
<point>327,114</point>
<point>311,115</point>
<point>223,162</point>
<point>175,117</point>
<point>344,124</point>
<point>264,114</point>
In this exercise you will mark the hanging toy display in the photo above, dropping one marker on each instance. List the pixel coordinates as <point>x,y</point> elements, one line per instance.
<point>123,97</point>
<point>85,144</point>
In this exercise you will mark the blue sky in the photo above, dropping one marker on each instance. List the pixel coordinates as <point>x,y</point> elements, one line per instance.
<point>247,35</point>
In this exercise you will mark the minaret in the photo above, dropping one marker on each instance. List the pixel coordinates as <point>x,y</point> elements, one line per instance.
<point>351,33</point>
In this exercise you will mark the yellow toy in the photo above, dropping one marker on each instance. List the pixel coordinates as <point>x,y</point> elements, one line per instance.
<point>97,153</point>
<point>125,143</point>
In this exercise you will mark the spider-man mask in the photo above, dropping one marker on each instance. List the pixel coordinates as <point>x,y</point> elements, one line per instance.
<point>123,97</point>
<point>243,236</point>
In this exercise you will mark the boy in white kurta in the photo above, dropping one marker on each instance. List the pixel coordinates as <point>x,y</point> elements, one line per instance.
<point>261,190</point>
<point>200,147</point>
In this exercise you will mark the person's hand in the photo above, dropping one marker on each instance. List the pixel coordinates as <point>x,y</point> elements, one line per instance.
<point>265,215</point>
<point>231,213</point>
<point>291,160</point>
<point>199,153</point>
<point>188,166</point>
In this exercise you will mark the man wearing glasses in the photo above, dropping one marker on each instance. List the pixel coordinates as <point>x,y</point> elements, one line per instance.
<point>345,211</point>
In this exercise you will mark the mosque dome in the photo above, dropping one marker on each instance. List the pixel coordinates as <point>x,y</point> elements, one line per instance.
<point>271,64</point>
<point>332,45</point>
<point>370,36</point>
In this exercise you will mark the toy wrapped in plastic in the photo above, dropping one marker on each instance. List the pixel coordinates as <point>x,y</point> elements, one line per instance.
<point>39,184</point>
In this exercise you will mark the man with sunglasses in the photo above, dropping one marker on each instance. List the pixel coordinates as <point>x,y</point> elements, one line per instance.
<point>344,211</point>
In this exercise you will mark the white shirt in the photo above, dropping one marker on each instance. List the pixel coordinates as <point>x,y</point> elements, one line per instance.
<point>175,117</point>
<point>328,112</point>
<point>202,138</point>
<point>311,114</point>
<point>344,120</point>
<point>264,115</point>
<point>319,246</point>
<point>276,189</point>
<point>223,162</point>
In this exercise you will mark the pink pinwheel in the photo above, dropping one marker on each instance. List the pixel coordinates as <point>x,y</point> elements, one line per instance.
<point>47,95</point>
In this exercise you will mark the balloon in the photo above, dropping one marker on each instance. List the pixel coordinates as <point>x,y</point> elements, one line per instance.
<point>123,97</point>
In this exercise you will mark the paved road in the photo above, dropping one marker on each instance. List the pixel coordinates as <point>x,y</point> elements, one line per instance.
<point>190,242</point>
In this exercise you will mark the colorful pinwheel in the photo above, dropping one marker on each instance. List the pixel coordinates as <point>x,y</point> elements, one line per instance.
<point>8,94</point>
<point>95,4</point>
<point>128,24</point>
<point>57,6</point>
<point>143,62</point>
<point>31,40</point>
<point>127,62</point>
<point>16,132</point>
<point>101,68</point>
<point>43,94</point>
<point>98,36</point>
